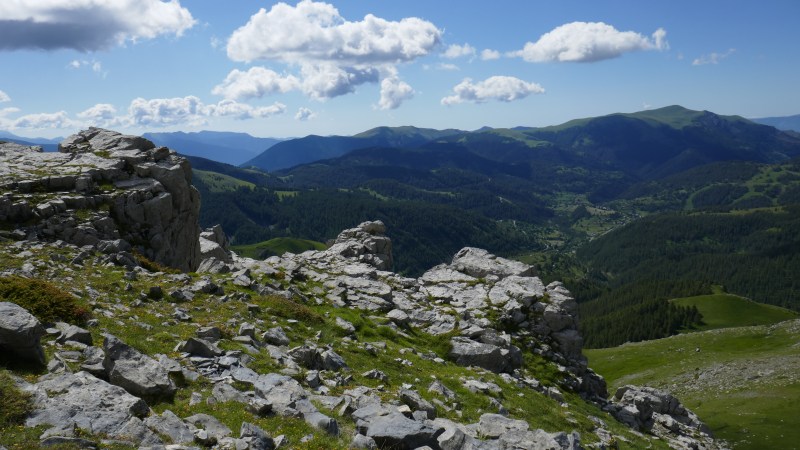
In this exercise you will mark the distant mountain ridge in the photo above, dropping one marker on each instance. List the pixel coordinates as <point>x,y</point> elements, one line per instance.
<point>645,144</point>
<point>49,145</point>
<point>782,123</point>
<point>312,148</point>
<point>222,146</point>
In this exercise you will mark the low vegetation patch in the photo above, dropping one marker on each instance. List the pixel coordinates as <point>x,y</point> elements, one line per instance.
<point>151,265</point>
<point>45,301</point>
<point>16,403</point>
<point>290,309</point>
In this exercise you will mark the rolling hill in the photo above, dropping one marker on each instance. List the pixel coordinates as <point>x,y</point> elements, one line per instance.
<point>314,148</point>
<point>781,123</point>
<point>48,145</point>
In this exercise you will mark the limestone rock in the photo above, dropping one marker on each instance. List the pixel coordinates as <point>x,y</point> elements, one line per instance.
<point>395,430</point>
<point>275,336</point>
<point>255,437</point>
<point>147,197</point>
<point>20,333</point>
<point>74,333</point>
<point>137,373</point>
<point>466,352</point>
<point>170,425</point>
<point>367,243</point>
<point>200,347</point>
<point>479,263</point>
<point>81,401</point>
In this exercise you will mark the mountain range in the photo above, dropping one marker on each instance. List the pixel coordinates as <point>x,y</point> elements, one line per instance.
<point>227,147</point>
<point>48,145</point>
<point>312,148</point>
<point>782,123</point>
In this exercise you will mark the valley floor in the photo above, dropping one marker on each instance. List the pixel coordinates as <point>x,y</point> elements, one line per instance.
<point>743,382</point>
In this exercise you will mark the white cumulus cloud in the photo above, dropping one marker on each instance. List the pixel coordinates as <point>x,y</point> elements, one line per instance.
<point>394,92</point>
<point>58,119</point>
<point>304,114</point>
<point>459,51</point>
<point>324,81</point>
<point>162,112</point>
<point>332,55</point>
<point>713,58</point>
<point>87,25</point>
<point>589,42</point>
<point>315,31</point>
<point>501,88</point>
<point>101,114</point>
<point>256,82</point>
<point>243,111</point>
<point>4,97</point>
<point>489,54</point>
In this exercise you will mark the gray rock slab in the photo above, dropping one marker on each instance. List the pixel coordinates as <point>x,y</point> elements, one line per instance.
<point>83,401</point>
<point>21,332</point>
<point>137,373</point>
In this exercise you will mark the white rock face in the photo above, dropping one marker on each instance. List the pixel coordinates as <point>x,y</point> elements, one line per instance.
<point>102,186</point>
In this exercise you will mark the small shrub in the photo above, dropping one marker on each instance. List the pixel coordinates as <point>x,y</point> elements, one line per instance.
<point>152,266</point>
<point>290,309</point>
<point>45,301</point>
<point>16,403</point>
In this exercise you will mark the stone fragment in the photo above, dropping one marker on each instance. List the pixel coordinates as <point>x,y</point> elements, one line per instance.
<point>20,333</point>
<point>137,373</point>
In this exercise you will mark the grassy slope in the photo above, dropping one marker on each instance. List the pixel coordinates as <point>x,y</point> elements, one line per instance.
<point>278,246</point>
<point>143,326</point>
<point>218,182</point>
<point>742,381</point>
<point>727,311</point>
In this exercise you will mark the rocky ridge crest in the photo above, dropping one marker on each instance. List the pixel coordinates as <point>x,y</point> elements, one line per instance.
<point>493,312</point>
<point>104,189</point>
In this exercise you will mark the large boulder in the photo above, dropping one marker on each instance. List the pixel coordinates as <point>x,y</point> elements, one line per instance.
<point>137,373</point>
<point>391,429</point>
<point>466,352</point>
<point>80,401</point>
<point>20,333</point>
<point>367,243</point>
<point>479,263</point>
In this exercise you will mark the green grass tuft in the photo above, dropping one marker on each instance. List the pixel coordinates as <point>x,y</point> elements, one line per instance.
<point>16,403</point>
<point>45,301</point>
<point>289,309</point>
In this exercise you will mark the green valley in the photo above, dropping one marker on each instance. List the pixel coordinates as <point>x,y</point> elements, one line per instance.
<point>742,381</point>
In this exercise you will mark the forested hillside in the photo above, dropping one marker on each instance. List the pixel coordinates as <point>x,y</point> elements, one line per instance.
<point>611,205</point>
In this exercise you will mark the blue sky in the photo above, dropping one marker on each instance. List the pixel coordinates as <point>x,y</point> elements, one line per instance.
<point>297,68</point>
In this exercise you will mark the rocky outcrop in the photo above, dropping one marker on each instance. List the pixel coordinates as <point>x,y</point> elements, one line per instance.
<point>366,243</point>
<point>105,186</point>
<point>80,401</point>
<point>20,333</point>
<point>658,412</point>
<point>136,373</point>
